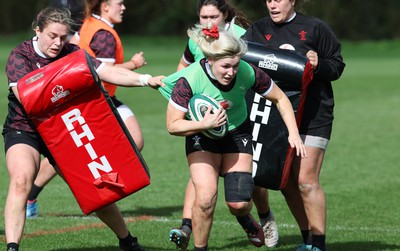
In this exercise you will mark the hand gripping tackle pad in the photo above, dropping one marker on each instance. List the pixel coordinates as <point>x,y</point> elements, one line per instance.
<point>272,155</point>
<point>82,129</point>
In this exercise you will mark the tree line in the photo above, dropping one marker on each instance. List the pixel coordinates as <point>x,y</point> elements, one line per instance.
<point>349,19</point>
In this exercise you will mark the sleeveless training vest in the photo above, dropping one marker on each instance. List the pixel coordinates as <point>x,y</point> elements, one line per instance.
<point>89,28</point>
<point>235,98</point>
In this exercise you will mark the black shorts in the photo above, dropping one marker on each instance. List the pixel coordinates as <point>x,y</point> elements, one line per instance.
<point>13,137</point>
<point>116,101</point>
<point>238,140</point>
<point>323,131</point>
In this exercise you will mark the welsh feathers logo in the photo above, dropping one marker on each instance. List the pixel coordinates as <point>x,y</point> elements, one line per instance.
<point>58,92</point>
<point>303,35</point>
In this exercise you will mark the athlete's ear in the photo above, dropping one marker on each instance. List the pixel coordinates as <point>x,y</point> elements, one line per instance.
<point>37,30</point>
<point>104,7</point>
<point>225,16</point>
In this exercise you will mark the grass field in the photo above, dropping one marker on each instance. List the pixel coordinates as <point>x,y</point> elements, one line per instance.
<point>360,174</point>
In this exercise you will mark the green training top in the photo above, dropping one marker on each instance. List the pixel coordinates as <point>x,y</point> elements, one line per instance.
<point>200,83</point>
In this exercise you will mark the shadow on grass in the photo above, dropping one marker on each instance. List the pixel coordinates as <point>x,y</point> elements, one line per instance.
<point>156,212</point>
<point>113,248</point>
<point>363,246</point>
<point>287,241</point>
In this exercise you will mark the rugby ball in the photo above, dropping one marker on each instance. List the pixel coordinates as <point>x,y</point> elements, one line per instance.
<point>198,106</point>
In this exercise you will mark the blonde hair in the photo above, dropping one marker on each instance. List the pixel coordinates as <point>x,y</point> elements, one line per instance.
<point>227,44</point>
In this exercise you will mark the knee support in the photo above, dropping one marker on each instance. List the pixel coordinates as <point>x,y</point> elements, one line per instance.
<point>238,187</point>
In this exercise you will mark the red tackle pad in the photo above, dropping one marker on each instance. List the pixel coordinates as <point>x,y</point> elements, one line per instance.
<point>80,125</point>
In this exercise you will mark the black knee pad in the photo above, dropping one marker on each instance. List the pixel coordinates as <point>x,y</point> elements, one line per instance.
<point>238,187</point>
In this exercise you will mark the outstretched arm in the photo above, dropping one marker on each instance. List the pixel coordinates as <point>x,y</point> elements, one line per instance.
<point>124,77</point>
<point>278,97</point>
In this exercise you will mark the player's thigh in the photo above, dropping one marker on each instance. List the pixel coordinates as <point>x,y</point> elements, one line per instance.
<point>308,169</point>
<point>129,119</point>
<point>22,162</point>
<point>46,173</point>
<point>204,172</point>
<point>236,162</point>
<point>133,126</point>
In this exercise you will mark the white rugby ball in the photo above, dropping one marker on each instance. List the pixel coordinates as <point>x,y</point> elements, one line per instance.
<point>198,106</point>
<point>287,47</point>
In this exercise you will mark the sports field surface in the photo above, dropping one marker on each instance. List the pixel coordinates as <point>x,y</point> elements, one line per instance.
<point>360,174</point>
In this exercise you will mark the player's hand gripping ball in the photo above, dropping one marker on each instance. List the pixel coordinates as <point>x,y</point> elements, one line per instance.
<point>198,106</point>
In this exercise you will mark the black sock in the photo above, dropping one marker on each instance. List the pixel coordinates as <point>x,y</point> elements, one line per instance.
<point>34,193</point>
<point>200,249</point>
<point>319,241</point>
<point>12,246</point>
<point>243,220</point>
<point>128,240</point>
<point>263,217</point>
<point>247,223</point>
<point>307,237</point>
<point>186,226</point>
<point>187,222</point>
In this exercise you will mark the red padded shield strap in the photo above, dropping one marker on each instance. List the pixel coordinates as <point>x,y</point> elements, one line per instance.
<point>308,75</point>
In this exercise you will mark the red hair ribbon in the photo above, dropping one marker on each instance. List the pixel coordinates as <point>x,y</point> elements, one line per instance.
<point>211,32</point>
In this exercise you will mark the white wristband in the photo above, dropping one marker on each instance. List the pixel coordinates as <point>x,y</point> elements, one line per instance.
<point>144,78</point>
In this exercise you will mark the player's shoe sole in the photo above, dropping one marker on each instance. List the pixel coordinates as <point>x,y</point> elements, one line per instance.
<point>180,238</point>
<point>303,247</point>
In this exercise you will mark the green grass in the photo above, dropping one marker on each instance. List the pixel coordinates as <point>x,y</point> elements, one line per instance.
<point>360,174</point>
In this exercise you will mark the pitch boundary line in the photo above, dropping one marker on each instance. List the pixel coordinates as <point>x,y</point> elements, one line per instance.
<point>81,227</point>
